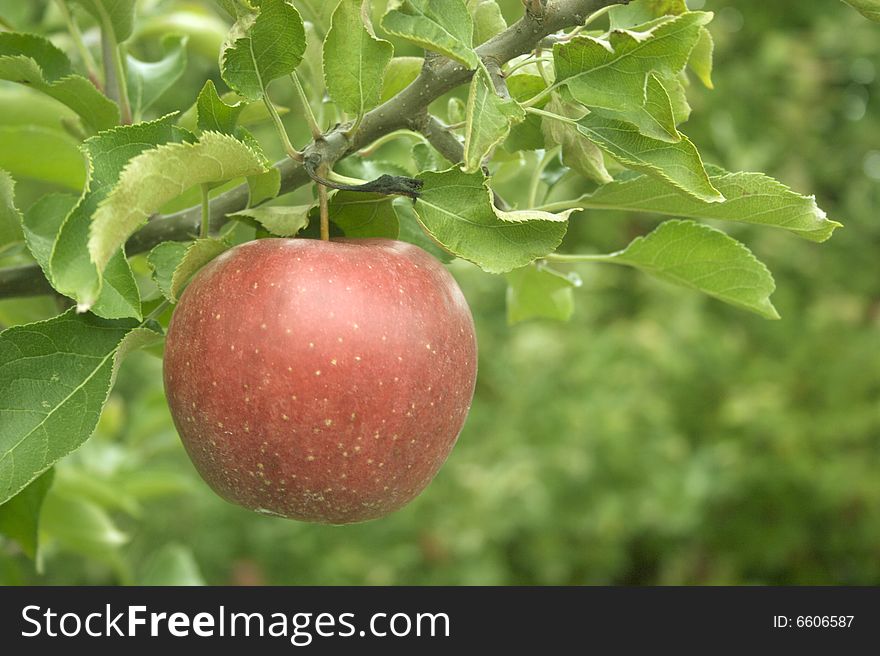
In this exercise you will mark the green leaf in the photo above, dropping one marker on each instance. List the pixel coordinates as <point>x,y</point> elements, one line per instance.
<point>538,292</point>
<point>675,90</point>
<point>197,255</point>
<point>488,20</point>
<point>20,516</point>
<point>237,8</point>
<point>426,158</point>
<point>264,186</point>
<point>73,273</point>
<point>701,58</point>
<point>43,220</point>
<point>412,232</point>
<point>613,77</point>
<point>868,8</point>
<point>55,376</point>
<point>456,210</point>
<point>639,12</point>
<point>489,119</point>
<point>703,258</point>
<point>443,26</point>
<point>159,175</point>
<point>284,221</point>
<point>579,154</point>
<point>81,526</point>
<point>10,217</point>
<point>400,73</point>
<point>147,81</point>
<point>215,115</point>
<point>174,565</point>
<point>41,223</point>
<point>677,163</point>
<point>263,48</point>
<point>750,198</point>
<point>117,15</point>
<point>528,134</point>
<point>119,297</point>
<point>64,168</point>
<point>32,60</point>
<point>361,215</point>
<point>163,260</point>
<point>354,59</point>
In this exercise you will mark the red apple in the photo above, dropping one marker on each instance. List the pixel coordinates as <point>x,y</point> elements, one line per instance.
<point>321,381</point>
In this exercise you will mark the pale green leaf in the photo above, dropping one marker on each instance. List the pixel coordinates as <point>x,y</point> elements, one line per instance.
<point>361,215</point>
<point>701,58</point>
<point>73,273</point>
<point>677,163</point>
<point>703,258</point>
<point>613,77</point>
<point>156,177</point>
<point>675,90</point>
<point>750,198</point>
<point>443,26</point>
<point>456,210</point>
<point>32,60</point>
<point>174,565</point>
<point>20,516</point>
<point>284,221</point>
<point>868,8</point>
<point>400,73</point>
<point>579,154</point>
<point>489,119</point>
<point>538,292</point>
<point>65,167</point>
<point>10,217</point>
<point>147,81</point>
<point>262,48</point>
<point>488,20</point>
<point>54,379</point>
<point>354,59</point>
<point>117,15</point>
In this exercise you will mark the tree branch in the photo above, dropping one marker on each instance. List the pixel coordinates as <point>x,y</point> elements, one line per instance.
<point>443,140</point>
<point>406,110</point>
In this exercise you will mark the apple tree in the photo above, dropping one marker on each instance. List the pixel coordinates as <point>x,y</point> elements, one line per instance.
<point>511,132</point>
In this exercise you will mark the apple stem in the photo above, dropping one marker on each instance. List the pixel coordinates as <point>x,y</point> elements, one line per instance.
<point>205,226</point>
<point>324,206</point>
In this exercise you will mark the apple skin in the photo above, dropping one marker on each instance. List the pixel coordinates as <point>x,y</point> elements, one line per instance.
<point>321,381</point>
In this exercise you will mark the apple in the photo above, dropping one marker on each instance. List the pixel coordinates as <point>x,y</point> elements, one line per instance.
<point>323,381</point>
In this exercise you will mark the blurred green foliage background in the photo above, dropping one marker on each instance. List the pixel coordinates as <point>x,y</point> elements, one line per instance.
<point>658,438</point>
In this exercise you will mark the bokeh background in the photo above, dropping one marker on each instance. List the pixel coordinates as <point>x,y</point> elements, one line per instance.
<point>660,437</point>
